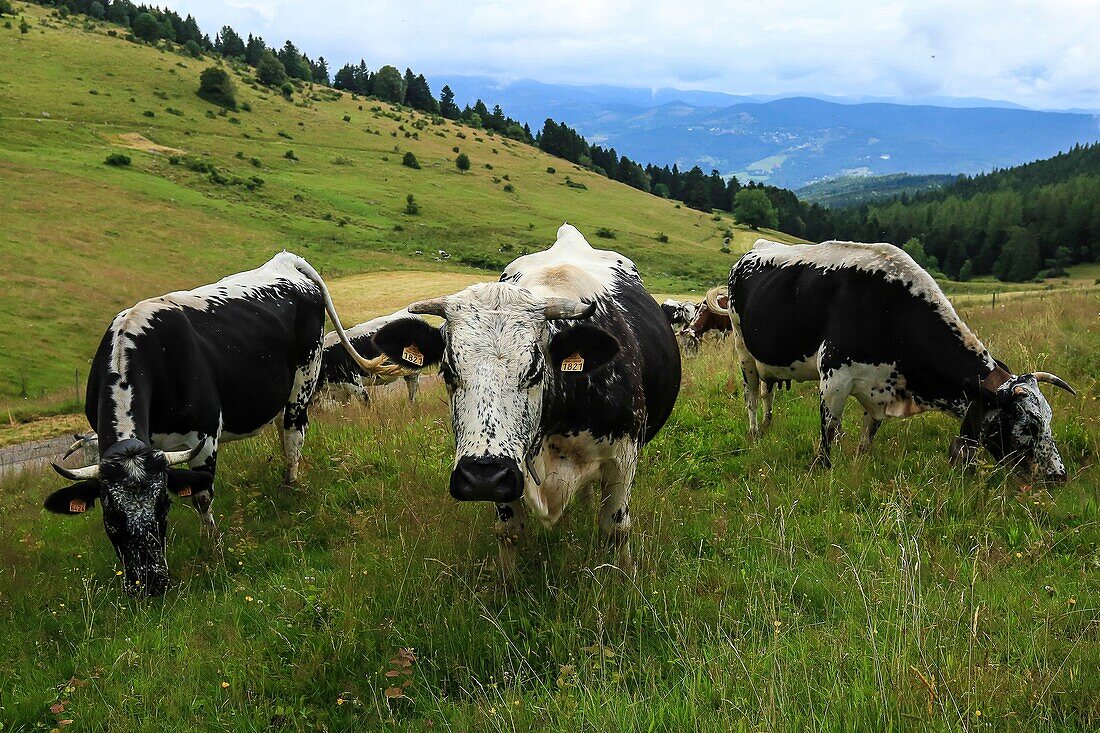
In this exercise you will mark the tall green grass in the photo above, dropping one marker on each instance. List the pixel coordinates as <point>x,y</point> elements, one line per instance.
<point>891,593</point>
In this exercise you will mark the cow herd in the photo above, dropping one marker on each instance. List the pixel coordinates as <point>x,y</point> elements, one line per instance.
<point>557,375</point>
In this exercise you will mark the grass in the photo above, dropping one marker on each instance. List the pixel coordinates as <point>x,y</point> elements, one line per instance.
<point>82,240</point>
<point>891,593</point>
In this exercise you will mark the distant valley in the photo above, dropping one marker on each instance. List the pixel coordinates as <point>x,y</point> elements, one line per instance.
<point>789,142</point>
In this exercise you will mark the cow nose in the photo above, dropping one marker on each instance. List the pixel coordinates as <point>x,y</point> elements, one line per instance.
<point>486,478</point>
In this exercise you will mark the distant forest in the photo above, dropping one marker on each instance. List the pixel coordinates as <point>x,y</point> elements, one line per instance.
<point>1014,223</point>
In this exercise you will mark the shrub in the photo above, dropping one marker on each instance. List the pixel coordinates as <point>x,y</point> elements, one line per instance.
<point>347,118</point>
<point>342,160</point>
<point>255,162</point>
<point>270,70</point>
<point>462,162</point>
<point>410,161</point>
<point>174,111</point>
<point>6,8</point>
<point>551,169</point>
<point>662,237</point>
<point>246,107</point>
<point>509,188</point>
<point>117,159</point>
<point>216,87</point>
<point>605,233</point>
<point>488,166</point>
<point>24,26</point>
<point>289,155</point>
<point>287,89</point>
<point>146,28</point>
<point>193,49</point>
<point>411,207</point>
<point>455,149</point>
<point>149,113</point>
<point>460,135</point>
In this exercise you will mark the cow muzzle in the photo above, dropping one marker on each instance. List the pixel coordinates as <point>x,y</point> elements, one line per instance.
<point>487,478</point>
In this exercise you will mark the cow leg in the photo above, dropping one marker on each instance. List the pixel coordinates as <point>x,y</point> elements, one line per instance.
<point>511,519</point>
<point>767,395</point>
<point>835,388</point>
<point>203,501</point>
<point>615,522</point>
<point>412,384</point>
<point>752,397</point>
<point>867,434</point>
<point>295,417</point>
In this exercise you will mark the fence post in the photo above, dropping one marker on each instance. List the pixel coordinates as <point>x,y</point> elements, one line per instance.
<point>994,299</point>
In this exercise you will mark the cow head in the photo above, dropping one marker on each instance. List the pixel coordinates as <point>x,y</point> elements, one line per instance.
<point>132,481</point>
<point>498,359</point>
<point>1012,422</point>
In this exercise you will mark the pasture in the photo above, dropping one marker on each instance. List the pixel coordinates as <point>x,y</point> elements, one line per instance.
<point>890,593</point>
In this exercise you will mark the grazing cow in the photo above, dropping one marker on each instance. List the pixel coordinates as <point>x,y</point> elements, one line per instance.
<point>342,378</point>
<point>176,376</point>
<point>712,315</point>
<point>557,375</point>
<point>678,312</point>
<point>865,320</point>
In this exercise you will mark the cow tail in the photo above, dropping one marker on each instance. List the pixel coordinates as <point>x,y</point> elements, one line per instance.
<point>377,366</point>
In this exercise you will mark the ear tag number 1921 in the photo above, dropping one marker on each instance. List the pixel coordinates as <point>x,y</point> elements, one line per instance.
<point>574,363</point>
<point>412,355</point>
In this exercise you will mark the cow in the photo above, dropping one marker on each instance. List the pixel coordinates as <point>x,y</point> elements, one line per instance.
<point>178,375</point>
<point>678,312</point>
<point>557,374</point>
<point>711,315</point>
<point>342,377</point>
<point>865,320</point>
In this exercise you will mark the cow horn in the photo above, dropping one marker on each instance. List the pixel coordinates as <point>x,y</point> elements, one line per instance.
<point>183,456</point>
<point>430,307</point>
<point>712,300</point>
<point>77,445</point>
<point>77,474</point>
<point>568,308</point>
<point>1053,379</point>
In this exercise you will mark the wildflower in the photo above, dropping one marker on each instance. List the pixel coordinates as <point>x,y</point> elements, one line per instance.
<point>1019,555</point>
<point>248,598</point>
<point>977,713</point>
<point>224,684</point>
<point>339,701</point>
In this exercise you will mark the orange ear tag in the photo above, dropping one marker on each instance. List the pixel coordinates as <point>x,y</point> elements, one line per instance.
<point>77,506</point>
<point>574,363</point>
<point>185,491</point>
<point>412,355</point>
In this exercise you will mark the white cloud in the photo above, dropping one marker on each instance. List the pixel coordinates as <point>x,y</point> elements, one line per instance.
<point>1040,54</point>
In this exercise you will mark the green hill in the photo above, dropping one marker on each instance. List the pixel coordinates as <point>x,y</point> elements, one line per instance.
<point>855,190</point>
<point>82,240</point>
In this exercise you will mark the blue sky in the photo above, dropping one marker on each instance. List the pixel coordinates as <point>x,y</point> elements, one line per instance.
<point>1037,54</point>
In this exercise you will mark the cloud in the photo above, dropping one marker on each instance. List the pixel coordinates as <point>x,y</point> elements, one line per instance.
<point>1039,54</point>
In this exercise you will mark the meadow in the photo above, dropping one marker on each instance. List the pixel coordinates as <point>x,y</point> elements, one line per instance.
<point>890,593</point>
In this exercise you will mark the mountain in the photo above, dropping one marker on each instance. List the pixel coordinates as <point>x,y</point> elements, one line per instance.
<point>790,141</point>
<point>855,190</point>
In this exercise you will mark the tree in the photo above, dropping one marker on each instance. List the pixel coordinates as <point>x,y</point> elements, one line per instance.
<point>228,43</point>
<point>96,9</point>
<point>165,29</point>
<point>410,161</point>
<point>966,272</point>
<point>753,208</point>
<point>418,94</point>
<point>462,162</point>
<point>146,27</point>
<point>447,106</point>
<point>269,69</point>
<point>254,50</point>
<point>294,63</point>
<point>119,12</point>
<point>1019,260</point>
<point>915,249</point>
<point>389,86</point>
<point>194,50</point>
<point>216,87</point>
<point>318,70</point>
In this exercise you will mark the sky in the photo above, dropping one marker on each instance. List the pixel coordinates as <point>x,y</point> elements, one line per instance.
<point>1042,54</point>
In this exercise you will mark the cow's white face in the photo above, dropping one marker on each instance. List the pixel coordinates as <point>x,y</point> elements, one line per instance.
<point>494,366</point>
<point>498,358</point>
<point>1020,430</point>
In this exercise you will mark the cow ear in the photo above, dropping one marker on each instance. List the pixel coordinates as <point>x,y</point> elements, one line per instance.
<point>410,342</point>
<point>185,482</point>
<point>75,499</point>
<point>583,349</point>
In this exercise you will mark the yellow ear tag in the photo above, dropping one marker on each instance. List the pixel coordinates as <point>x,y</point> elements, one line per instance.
<point>77,506</point>
<point>574,363</point>
<point>412,355</point>
<point>185,491</point>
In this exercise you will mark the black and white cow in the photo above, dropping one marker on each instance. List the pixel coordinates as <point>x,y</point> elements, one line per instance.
<point>176,376</point>
<point>864,320</point>
<point>557,375</point>
<point>342,379</point>
<point>679,312</point>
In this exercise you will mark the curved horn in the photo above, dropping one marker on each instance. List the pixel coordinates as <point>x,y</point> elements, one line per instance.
<point>77,474</point>
<point>1053,379</point>
<point>712,300</point>
<point>430,307</point>
<point>568,308</point>
<point>80,441</point>
<point>181,456</point>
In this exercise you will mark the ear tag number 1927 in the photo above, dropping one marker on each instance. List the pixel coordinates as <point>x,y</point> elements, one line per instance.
<point>574,363</point>
<point>412,355</point>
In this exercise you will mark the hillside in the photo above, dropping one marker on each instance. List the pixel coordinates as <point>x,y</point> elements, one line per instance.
<point>855,190</point>
<point>793,141</point>
<point>81,239</point>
